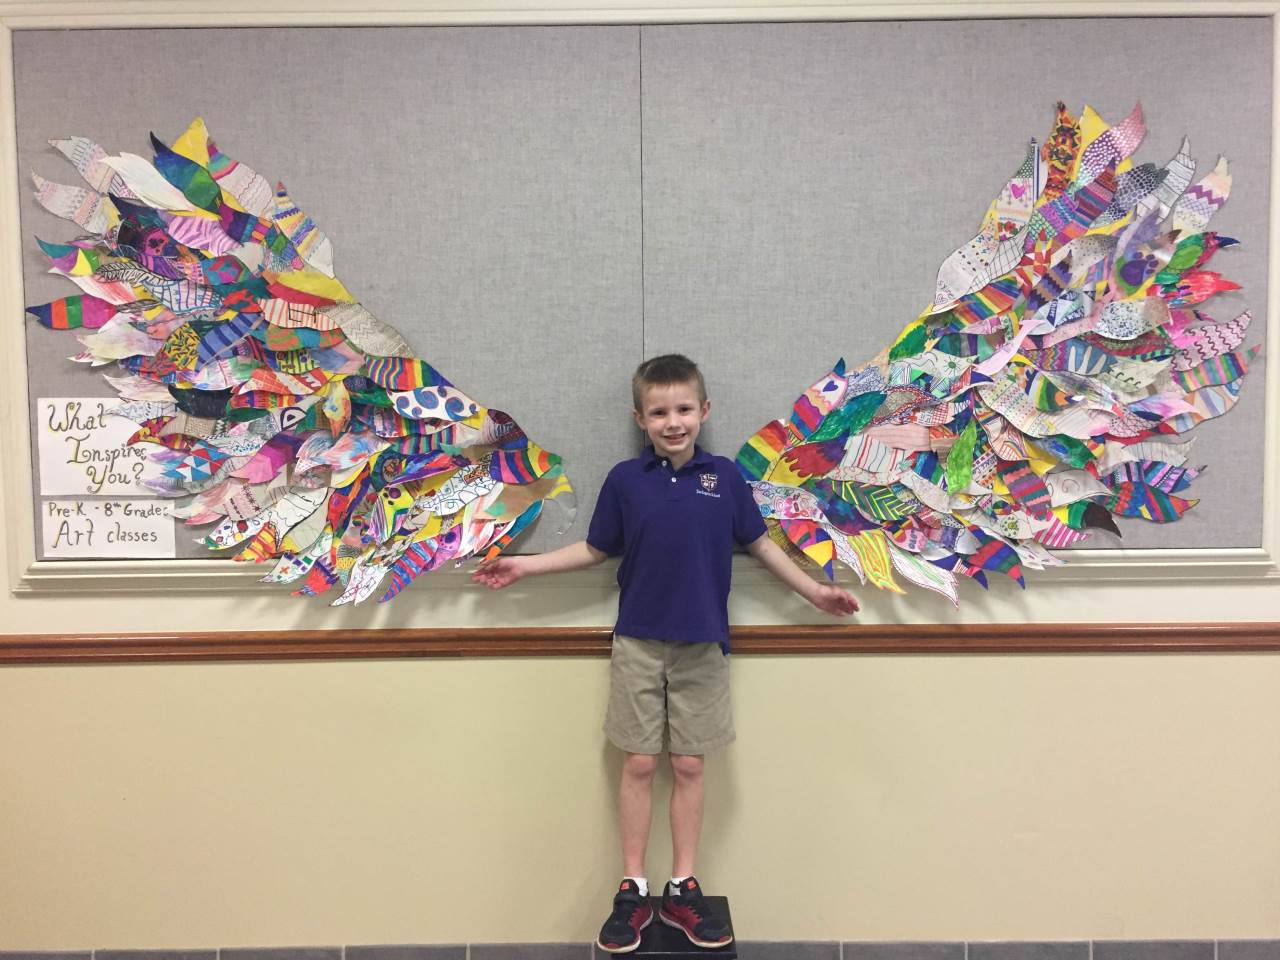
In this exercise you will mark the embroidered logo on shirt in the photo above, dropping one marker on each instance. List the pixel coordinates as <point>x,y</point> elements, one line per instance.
<point>708,485</point>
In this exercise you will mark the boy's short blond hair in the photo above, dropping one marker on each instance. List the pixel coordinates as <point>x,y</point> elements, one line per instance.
<point>664,370</point>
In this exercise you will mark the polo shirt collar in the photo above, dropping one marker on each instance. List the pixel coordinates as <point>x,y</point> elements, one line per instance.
<point>700,458</point>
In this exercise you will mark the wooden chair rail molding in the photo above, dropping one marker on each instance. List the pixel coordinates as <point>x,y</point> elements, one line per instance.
<point>594,642</point>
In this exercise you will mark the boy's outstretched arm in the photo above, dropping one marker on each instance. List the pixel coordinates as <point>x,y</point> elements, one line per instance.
<point>503,571</point>
<point>827,597</point>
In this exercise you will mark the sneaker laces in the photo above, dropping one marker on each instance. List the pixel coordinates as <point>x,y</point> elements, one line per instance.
<point>694,902</point>
<point>698,915</point>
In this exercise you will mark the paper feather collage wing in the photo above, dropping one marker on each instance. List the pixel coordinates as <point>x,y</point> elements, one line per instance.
<point>299,425</point>
<point>1044,390</point>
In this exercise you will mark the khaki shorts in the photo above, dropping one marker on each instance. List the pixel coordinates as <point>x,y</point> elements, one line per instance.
<point>680,688</point>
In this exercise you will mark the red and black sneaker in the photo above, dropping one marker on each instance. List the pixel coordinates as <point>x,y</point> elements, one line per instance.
<point>685,909</point>
<point>631,914</point>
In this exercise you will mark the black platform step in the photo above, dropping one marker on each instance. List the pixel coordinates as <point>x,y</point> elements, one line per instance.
<point>659,940</point>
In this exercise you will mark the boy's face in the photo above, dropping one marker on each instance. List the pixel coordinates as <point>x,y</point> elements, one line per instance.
<point>672,417</point>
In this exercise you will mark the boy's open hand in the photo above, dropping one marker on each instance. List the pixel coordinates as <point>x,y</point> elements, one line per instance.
<point>499,572</point>
<point>833,600</point>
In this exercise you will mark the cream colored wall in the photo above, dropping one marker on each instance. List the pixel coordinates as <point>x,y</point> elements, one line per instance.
<point>431,801</point>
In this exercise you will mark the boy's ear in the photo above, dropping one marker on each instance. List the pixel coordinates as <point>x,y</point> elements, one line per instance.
<point>706,411</point>
<point>638,417</point>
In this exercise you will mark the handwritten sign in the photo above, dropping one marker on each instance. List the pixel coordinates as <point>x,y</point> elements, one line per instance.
<point>85,452</point>
<point>106,529</point>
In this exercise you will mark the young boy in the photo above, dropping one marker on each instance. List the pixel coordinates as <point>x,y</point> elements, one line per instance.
<point>674,515</point>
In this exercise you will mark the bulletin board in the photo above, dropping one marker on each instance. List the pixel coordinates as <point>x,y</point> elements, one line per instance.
<point>537,208</point>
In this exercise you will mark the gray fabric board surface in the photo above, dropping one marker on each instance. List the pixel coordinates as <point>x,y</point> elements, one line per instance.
<point>801,183</point>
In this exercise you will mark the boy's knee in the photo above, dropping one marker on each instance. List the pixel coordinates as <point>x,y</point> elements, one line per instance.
<point>686,767</point>
<point>640,766</point>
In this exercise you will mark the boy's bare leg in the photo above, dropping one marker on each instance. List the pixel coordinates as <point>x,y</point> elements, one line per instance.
<point>635,808</point>
<point>686,812</point>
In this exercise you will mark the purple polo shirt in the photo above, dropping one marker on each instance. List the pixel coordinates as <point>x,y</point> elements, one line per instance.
<point>675,531</point>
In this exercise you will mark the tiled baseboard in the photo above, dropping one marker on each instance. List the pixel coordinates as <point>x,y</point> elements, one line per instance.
<point>747,950</point>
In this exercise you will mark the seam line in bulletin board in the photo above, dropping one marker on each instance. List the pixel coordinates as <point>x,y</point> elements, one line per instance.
<point>640,113</point>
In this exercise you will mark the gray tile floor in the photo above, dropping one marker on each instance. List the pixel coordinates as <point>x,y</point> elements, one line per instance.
<point>747,950</point>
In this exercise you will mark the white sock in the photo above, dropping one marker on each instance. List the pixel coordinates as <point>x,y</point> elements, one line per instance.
<point>641,884</point>
<point>676,881</point>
